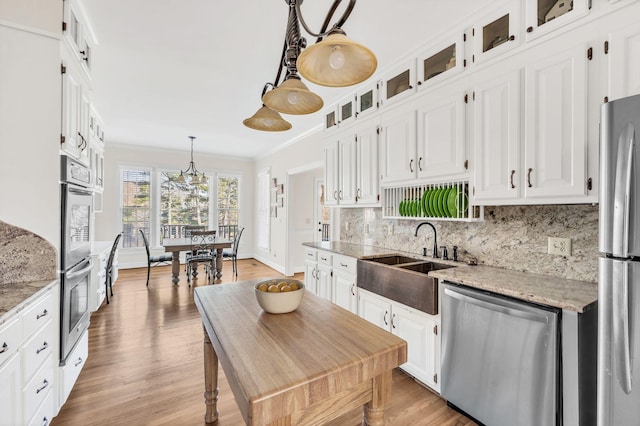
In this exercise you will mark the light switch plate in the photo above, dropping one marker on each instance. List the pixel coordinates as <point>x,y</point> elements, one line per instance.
<point>560,246</point>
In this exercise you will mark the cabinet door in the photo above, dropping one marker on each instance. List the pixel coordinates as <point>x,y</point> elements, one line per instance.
<point>367,101</point>
<point>374,309</point>
<point>555,125</point>
<point>310,276</point>
<point>496,32</point>
<point>347,110</point>
<point>418,330</point>
<point>71,90</point>
<point>624,62</point>
<point>10,392</point>
<point>543,16</point>
<point>368,179</point>
<point>344,291</point>
<point>398,141</point>
<point>347,170</point>
<point>83,128</point>
<point>331,173</point>
<point>398,84</point>
<point>324,281</point>
<point>496,138</point>
<point>441,61</point>
<point>441,135</point>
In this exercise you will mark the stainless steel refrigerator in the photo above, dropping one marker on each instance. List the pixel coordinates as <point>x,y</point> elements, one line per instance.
<point>619,264</point>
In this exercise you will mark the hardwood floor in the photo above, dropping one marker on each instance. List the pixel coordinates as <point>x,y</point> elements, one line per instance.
<point>145,364</point>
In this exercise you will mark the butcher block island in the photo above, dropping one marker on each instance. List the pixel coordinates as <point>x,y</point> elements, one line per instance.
<point>304,367</point>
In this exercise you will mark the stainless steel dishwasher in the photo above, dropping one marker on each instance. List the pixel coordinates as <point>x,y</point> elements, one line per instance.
<point>500,358</point>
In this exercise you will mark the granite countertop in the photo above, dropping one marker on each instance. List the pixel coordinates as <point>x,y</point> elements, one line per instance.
<point>14,297</point>
<point>573,295</point>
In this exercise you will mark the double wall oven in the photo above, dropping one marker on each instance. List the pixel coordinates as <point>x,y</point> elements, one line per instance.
<point>75,262</point>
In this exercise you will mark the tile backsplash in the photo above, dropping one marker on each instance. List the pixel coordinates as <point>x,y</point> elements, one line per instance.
<point>510,237</point>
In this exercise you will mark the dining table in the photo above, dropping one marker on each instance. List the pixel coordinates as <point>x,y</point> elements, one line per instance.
<point>177,245</point>
<point>305,367</point>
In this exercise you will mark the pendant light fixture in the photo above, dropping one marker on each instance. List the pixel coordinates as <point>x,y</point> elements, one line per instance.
<point>334,61</point>
<point>192,172</point>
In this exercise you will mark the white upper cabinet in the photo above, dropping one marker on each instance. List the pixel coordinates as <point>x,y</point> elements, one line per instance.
<point>76,34</point>
<point>496,32</point>
<point>398,84</point>
<point>367,154</point>
<point>398,160</point>
<point>71,95</point>
<point>543,16</point>
<point>440,62</point>
<point>496,138</point>
<point>331,119</point>
<point>347,170</point>
<point>555,124</point>
<point>367,101</point>
<point>624,61</point>
<point>331,182</point>
<point>441,134</point>
<point>347,110</point>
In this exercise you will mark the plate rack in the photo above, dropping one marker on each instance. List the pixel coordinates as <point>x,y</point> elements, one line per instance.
<point>447,201</point>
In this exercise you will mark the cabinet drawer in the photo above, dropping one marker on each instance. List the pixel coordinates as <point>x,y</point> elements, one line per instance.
<point>310,254</point>
<point>45,413</point>
<point>76,360</point>
<point>325,258</point>
<point>38,315</point>
<point>36,350</point>
<point>37,390</point>
<point>344,263</point>
<point>10,339</point>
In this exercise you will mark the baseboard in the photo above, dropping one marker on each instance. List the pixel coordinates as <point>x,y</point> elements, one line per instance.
<point>270,264</point>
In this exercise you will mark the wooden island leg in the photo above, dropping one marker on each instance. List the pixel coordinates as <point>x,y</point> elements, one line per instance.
<point>175,267</point>
<point>373,411</point>
<point>210,380</point>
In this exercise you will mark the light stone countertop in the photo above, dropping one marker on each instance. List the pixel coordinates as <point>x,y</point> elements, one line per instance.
<point>15,297</point>
<point>573,295</point>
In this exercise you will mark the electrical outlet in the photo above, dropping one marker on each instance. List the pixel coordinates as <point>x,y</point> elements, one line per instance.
<point>390,229</point>
<point>560,246</point>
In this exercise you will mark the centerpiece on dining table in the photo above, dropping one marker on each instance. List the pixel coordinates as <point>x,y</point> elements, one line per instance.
<point>280,295</point>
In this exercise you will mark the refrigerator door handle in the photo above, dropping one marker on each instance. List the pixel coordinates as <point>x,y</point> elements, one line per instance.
<point>622,192</point>
<point>621,314</point>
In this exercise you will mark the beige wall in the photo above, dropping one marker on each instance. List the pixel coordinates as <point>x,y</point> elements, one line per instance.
<point>108,221</point>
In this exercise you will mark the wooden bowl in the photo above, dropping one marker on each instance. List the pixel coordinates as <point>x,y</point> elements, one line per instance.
<point>280,302</point>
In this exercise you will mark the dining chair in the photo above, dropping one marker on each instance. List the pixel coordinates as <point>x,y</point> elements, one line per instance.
<point>188,229</point>
<point>203,251</point>
<point>233,253</point>
<point>154,260</point>
<point>108,281</point>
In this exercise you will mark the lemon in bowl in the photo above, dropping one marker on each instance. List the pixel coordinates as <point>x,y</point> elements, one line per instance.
<point>279,296</point>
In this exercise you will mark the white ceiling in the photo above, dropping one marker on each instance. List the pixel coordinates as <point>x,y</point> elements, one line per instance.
<point>164,70</point>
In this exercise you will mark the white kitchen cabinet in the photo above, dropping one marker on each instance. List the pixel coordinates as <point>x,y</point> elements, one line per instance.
<point>398,84</point>
<point>419,330</point>
<point>324,273</point>
<point>100,251</point>
<point>366,164</point>
<point>496,32</point>
<point>71,370</point>
<point>344,286</point>
<point>347,110</point>
<point>347,170</point>
<point>555,139</point>
<point>543,16</point>
<point>441,61</point>
<point>441,142</point>
<point>310,267</point>
<point>10,380</point>
<point>331,119</point>
<point>398,145</point>
<point>331,167</point>
<point>624,61</point>
<point>496,138</point>
<point>71,94</point>
<point>367,101</point>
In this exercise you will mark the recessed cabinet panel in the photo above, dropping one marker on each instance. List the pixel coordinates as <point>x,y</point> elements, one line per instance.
<point>331,173</point>
<point>546,15</point>
<point>347,169</point>
<point>624,62</point>
<point>555,125</point>
<point>71,90</point>
<point>398,146</point>
<point>496,139</point>
<point>368,182</point>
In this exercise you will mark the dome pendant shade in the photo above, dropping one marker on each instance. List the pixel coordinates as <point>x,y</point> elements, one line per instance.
<point>293,97</point>
<point>337,61</point>
<point>267,120</point>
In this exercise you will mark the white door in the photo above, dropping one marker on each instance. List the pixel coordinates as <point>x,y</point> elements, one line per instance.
<point>344,291</point>
<point>441,135</point>
<point>347,173</point>
<point>496,138</point>
<point>624,62</point>
<point>398,141</point>
<point>368,179</point>
<point>555,125</point>
<point>331,173</point>
<point>324,281</point>
<point>70,112</point>
<point>374,309</point>
<point>310,281</point>
<point>417,330</point>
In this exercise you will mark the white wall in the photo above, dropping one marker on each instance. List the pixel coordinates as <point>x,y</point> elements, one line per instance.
<point>108,222</point>
<point>30,117</point>
<point>307,151</point>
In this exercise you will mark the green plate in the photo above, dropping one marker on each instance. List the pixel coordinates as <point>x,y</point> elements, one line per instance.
<point>443,212</point>
<point>402,208</point>
<point>445,201</point>
<point>414,208</point>
<point>434,203</point>
<point>419,207</point>
<point>425,202</point>
<point>458,203</point>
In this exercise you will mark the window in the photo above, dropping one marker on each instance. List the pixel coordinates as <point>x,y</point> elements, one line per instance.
<point>263,196</point>
<point>227,194</point>
<point>136,205</point>
<point>181,204</point>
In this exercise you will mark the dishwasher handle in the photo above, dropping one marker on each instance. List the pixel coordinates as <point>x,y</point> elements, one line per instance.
<point>497,305</point>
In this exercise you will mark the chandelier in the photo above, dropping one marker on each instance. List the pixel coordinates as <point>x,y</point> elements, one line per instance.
<point>333,61</point>
<point>192,172</point>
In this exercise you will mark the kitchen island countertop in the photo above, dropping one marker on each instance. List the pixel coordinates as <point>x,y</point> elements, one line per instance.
<point>573,295</point>
<point>15,297</point>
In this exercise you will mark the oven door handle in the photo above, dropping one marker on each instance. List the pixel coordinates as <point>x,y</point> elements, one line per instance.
<point>83,271</point>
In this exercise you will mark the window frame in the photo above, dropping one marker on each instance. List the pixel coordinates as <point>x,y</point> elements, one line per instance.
<point>127,167</point>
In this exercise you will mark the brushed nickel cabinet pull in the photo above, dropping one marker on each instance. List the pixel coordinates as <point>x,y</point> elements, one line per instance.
<point>43,314</point>
<point>385,318</point>
<point>5,348</point>
<point>529,177</point>
<point>78,362</point>
<point>45,345</point>
<point>45,383</point>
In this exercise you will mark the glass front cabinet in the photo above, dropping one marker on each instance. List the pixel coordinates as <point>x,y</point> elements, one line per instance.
<point>440,62</point>
<point>331,119</point>
<point>367,101</point>
<point>543,16</point>
<point>496,33</point>
<point>398,84</point>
